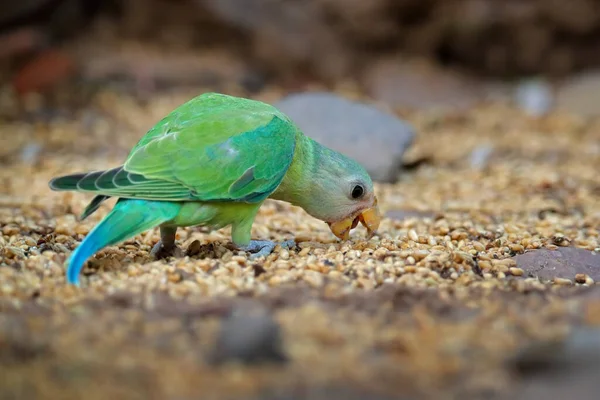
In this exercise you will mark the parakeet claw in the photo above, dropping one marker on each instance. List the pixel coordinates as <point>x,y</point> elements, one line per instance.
<point>160,251</point>
<point>166,246</point>
<point>262,248</point>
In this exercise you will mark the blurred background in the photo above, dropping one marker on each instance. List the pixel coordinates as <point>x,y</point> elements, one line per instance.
<point>478,121</point>
<point>406,53</point>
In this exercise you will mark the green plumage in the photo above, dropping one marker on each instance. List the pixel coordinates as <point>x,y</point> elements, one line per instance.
<point>212,148</point>
<point>212,161</point>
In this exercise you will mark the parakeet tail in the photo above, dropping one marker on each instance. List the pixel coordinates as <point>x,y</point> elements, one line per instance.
<point>95,181</point>
<point>93,206</point>
<point>127,219</point>
<point>67,182</point>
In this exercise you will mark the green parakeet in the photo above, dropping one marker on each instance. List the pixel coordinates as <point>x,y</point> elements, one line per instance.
<point>213,161</point>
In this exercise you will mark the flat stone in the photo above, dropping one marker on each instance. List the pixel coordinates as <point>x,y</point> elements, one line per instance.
<point>559,370</point>
<point>565,262</point>
<point>249,336</point>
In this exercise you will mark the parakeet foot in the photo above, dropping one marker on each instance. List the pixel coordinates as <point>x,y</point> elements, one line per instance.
<point>166,245</point>
<point>160,251</point>
<point>262,248</point>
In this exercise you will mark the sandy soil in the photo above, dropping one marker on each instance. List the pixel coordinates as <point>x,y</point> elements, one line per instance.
<point>433,307</point>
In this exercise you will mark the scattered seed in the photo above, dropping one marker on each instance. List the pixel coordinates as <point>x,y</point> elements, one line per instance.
<point>516,271</point>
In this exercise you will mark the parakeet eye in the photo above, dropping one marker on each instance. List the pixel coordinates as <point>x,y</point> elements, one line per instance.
<point>357,191</point>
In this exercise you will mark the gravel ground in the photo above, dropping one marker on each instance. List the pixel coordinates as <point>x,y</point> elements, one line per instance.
<point>434,307</point>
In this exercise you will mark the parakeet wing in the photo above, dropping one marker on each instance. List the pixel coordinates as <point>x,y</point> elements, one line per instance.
<point>212,148</point>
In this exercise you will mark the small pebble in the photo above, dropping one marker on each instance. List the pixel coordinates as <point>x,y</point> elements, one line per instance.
<point>194,248</point>
<point>534,96</point>
<point>250,336</point>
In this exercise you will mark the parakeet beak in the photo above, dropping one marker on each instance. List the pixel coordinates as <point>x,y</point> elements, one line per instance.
<point>369,218</point>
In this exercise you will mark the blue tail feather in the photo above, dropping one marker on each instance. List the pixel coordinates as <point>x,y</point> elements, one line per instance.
<point>128,218</point>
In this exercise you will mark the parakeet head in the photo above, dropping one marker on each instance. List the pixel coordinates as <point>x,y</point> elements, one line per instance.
<point>341,194</point>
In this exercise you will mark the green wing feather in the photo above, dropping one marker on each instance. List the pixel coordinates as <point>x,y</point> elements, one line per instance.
<point>212,148</point>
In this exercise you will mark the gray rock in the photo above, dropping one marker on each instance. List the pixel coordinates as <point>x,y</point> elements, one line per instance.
<point>580,94</point>
<point>375,139</point>
<point>561,369</point>
<point>30,153</point>
<point>565,262</point>
<point>580,349</point>
<point>480,156</point>
<point>250,336</point>
<point>534,96</point>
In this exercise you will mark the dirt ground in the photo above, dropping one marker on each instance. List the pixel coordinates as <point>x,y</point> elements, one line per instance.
<point>433,307</point>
